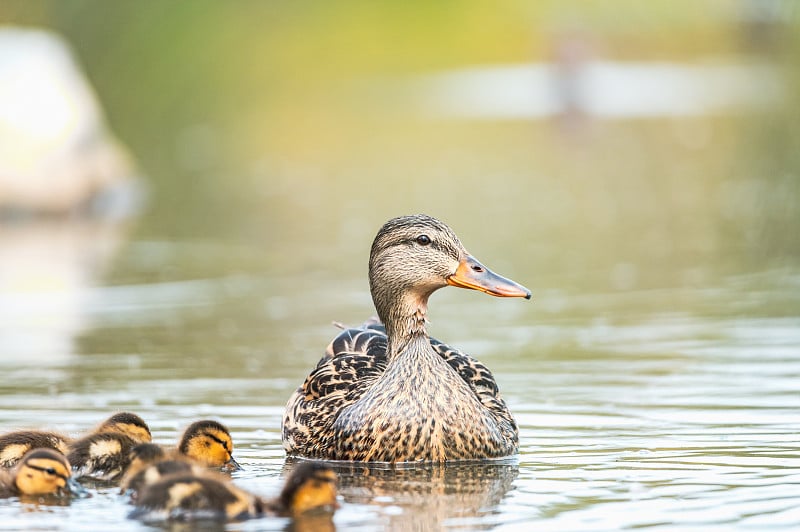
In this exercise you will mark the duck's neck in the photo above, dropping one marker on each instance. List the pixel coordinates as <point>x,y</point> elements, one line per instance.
<point>405,320</point>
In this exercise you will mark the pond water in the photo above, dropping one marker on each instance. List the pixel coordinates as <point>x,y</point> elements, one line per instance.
<point>636,168</point>
<point>674,408</point>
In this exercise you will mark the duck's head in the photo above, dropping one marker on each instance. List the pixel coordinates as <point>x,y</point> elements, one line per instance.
<point>129,424</point>
<point>210,443</point>
<point>310,485</point>
<point>45,471</point>
<point>412,256</point>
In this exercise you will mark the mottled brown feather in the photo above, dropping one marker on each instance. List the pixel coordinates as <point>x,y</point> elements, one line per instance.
<point>353,362</point>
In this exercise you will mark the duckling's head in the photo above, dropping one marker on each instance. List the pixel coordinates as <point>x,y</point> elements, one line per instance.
<point>145,454</point>
<point>129,424</point>
<point>135,480</point>
<point>44,471</point>
<point>310,485</point>
<point>412,256</point>
<point>210,443</point>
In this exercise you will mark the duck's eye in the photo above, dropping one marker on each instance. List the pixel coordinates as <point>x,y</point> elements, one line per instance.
<point>50,471</point>
<point>423,240</point>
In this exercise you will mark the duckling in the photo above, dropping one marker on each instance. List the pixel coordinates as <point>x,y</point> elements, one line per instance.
<point>387,391</point>
<point>40,472</point>
<point>187,497</point>
<point>149,462</point>
<point>133,482</point>
<point>14,445</point>
<point>143,455</point>
<point>310,485</point>
<point>101,456</point>
<point>210,443</point>
<point>129,424</point>
<point>108,455</point>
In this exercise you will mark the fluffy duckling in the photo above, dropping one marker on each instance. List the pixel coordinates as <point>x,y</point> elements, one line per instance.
<point>129,424</point>
<point>101,456</point>
<point>150,462</point>
<point>143,455</point>
<point>210,443</point>
<point>105,453</point>
<point>310,485</point>
<point>187,497</point>
<point>39,472</point>
<point>14,445</point>
<point>133,483</point>
<point>109,455</point>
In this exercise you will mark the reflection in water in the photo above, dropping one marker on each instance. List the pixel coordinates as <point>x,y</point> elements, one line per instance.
<point>312,522</point>
<point>628,417</point>
<point>65,186</point>
<point>46,270</point>
<point>421,496</point>
<point>43,503</point>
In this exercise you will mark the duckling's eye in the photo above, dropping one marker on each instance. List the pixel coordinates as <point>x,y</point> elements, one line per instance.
<point>423,240</point>
<point>50,471</point>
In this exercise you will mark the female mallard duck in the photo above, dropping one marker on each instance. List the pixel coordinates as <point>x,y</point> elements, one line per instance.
<point>391,393</point>
<point>14,445</point>
<point>188,497</point>
<point>39,472</point>
<point>108,455</point>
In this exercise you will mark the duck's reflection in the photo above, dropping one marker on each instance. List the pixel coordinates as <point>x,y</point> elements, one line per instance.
<point>423,496</point>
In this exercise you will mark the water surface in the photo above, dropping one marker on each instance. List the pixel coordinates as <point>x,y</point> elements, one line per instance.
<point>631,414</point>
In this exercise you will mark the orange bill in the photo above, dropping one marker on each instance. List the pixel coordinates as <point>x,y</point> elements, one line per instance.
<point>472,274</point>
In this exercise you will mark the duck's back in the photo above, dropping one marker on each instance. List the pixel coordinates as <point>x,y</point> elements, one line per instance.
<point>102,456</point>
<point>14,445</point>
<point>353,364</point>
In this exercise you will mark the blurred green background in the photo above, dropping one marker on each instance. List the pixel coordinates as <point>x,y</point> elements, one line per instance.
<point>295,126</point>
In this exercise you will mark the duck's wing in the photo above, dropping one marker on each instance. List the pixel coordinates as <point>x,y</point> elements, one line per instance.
<point>477,376</point>
<point>352,362</point>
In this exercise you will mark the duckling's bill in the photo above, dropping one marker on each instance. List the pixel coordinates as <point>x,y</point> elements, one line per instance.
<point>232,465</point>
<point>474,275</point>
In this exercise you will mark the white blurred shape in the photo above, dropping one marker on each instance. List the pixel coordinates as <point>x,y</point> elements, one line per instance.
<point>56,154</point>
<point>605,89</point>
